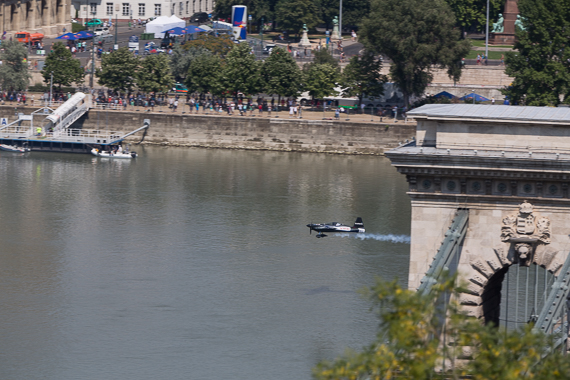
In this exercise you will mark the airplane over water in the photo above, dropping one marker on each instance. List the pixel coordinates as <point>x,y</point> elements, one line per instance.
<point>335,227</point>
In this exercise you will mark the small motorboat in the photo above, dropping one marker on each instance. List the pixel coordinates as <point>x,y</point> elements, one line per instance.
<point>14,149</point>
<point>107,154</point>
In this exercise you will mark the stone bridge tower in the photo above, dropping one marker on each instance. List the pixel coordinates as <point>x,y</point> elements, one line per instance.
<point>510,168</point>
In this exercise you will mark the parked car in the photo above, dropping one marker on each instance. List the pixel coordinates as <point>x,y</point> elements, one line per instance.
<point>200,17</point>
<point>94,22</point>
<point>100,31</point>
<point>268,48</point>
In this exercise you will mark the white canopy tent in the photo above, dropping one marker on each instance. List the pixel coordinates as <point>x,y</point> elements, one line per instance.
<point>160,24</point>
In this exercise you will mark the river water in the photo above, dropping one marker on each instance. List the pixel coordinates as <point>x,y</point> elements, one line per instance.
<point>191,263</point>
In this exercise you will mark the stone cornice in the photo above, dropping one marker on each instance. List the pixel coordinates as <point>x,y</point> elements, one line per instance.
<point>463,199</point>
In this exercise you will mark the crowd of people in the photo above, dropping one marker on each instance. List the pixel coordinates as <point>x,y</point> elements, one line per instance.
<point>243,106</point>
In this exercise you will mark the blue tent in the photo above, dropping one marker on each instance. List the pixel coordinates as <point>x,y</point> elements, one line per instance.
<point>84,34</point>
<point>193,29</point>
<point>478,98</point>
<point>444,94</point>
<point>68,36</point>
<point>178,31</point>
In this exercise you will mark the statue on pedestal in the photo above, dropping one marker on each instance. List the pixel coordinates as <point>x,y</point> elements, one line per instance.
<point>304,38</point>
<point>335,33</point>
<point>498,26</point>
<point>519,23</point>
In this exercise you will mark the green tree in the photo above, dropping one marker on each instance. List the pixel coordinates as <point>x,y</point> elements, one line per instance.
<point>292,14</point>
<point>473,13</point>
<point>327,10</point>
<point>118,70</point>
<point>66,69</point>
<point>320,80</point>
<point>417,36</point>
<point>154,74</point>
<point>281,74</point>
<point>410,343</point>
<point>181,58</point>
<point>218,45</point>
<point>204,74</point>
<point>353,11</point>
<point>324,56</point>
<point>362,76</point>
<point>541,64</point>
<point>14,68</point>
<point>241,71</point>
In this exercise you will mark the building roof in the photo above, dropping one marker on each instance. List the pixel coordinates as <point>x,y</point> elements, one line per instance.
<point>495,112</point>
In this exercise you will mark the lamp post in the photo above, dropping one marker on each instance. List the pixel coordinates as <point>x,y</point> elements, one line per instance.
<point>261,31</point>
<point>487,33</point>
<point>340,20</point>
<point>92,55</point>
<point>50,88</point>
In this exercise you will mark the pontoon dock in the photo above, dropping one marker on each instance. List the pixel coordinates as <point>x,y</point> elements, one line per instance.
<point>55,133</point>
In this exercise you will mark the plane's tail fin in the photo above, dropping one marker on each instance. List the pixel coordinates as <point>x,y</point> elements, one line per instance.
<point>358,223</point>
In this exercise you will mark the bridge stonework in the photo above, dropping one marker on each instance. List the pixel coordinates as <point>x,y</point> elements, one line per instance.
<point>510,167</point>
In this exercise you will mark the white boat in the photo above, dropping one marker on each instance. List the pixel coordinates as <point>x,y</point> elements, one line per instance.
<point>102,153</point>
<point>14,149</point>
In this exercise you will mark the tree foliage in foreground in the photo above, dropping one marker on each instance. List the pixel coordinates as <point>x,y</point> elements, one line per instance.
<point>14,69</point>
<point>541,66</point>
<point>410,343</point>
<point>417,36</point>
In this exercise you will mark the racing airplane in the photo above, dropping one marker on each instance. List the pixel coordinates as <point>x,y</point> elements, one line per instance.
<point>335,227</point>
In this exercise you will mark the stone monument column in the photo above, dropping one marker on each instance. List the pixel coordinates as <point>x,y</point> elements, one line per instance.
<point>305,43</point>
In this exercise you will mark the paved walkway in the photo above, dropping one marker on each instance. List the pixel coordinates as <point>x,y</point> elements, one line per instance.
<point>283,115</point>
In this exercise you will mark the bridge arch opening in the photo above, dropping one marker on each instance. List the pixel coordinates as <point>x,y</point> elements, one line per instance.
<point>507,294</point>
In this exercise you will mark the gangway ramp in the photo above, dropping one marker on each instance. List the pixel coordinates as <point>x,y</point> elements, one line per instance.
<point>66,114</point>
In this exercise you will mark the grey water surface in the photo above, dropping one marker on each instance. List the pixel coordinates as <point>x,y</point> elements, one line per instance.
<point>191,263</point>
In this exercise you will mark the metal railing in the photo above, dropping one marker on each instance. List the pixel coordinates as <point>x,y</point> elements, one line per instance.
<point>82,135</point>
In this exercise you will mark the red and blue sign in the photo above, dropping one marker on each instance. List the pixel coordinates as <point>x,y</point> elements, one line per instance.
<point>239,21</point>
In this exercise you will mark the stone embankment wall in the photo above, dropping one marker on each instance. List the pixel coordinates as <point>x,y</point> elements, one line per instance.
<point>237,132</point>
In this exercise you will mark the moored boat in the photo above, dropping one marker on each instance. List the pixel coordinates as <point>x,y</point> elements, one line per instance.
<point>107,154</point>
<point>14,149</point>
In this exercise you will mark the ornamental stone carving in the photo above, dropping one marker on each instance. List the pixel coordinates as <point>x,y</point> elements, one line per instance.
<point>525,231</point>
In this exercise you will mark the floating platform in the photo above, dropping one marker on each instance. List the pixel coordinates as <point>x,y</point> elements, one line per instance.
<point>55,132</point>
